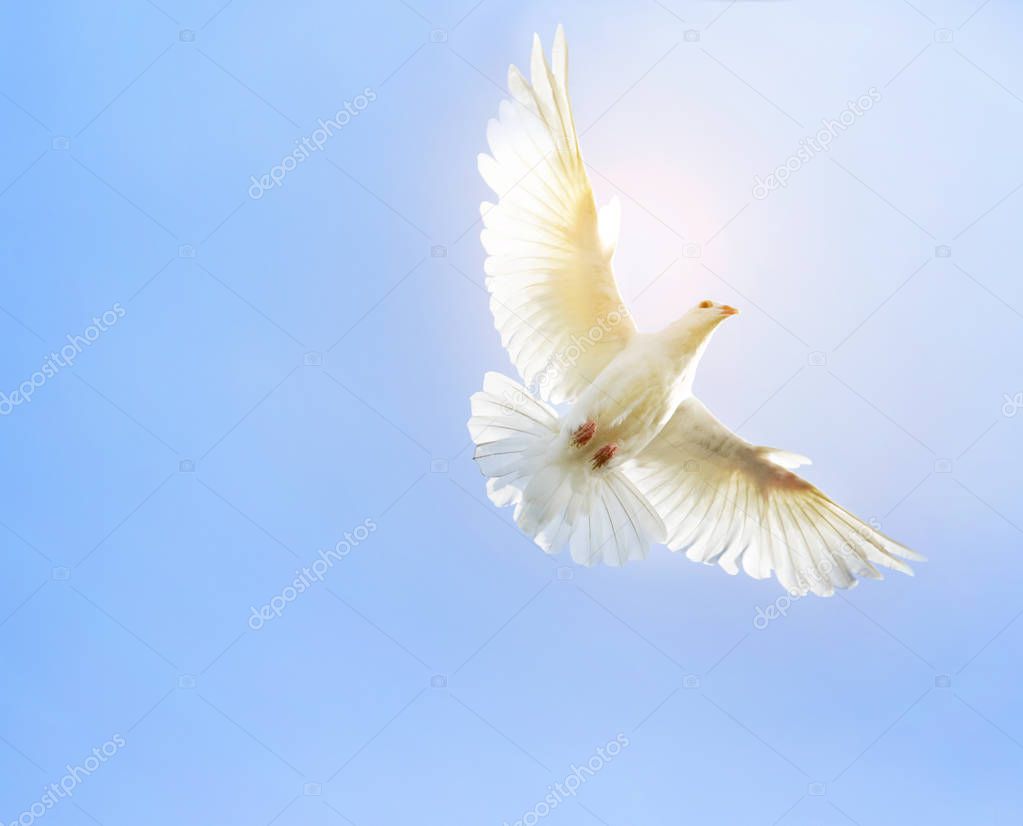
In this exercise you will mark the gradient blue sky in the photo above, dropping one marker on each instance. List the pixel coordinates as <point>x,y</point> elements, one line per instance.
<point>287,368</point>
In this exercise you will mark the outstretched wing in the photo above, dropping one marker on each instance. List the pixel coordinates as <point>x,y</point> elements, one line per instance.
<point>553,292</point>
<point>728,502</point>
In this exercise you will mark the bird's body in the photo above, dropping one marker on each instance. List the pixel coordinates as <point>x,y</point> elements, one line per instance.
<point>632,398</point>
<point>636,458</point>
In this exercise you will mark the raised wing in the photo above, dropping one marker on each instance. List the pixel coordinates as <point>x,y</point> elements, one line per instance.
<point>728,502</point>
<point>553,293</point>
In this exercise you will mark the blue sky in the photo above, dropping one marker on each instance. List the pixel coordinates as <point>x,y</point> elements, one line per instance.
<point>256,383</point>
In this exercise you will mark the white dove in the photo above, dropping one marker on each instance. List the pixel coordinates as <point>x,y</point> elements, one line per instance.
<point>636,459</point>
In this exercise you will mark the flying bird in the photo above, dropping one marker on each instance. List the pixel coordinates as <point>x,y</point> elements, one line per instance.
<point>635,459</point>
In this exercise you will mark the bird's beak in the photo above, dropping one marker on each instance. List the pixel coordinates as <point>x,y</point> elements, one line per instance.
<point>727,310</point>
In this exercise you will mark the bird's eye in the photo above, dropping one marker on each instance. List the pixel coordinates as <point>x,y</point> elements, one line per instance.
<point>706,304</point>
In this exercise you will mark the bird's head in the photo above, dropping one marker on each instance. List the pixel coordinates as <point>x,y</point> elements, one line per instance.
<point>690,333</point>
<point>710,313</point>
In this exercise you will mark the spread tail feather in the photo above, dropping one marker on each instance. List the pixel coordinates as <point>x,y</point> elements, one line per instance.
<point>600,515</point>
